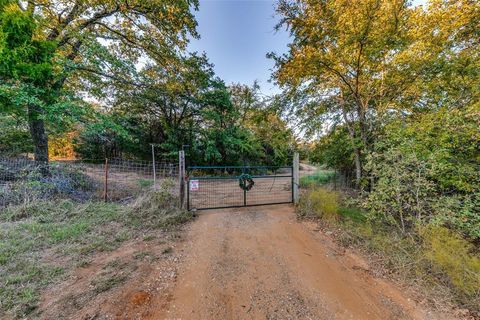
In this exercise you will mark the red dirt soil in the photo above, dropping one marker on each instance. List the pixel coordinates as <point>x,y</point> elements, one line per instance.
<point>248,263</point>
<point>260,263</point>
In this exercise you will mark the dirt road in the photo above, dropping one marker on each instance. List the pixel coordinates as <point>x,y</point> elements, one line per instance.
<point>259,263</point>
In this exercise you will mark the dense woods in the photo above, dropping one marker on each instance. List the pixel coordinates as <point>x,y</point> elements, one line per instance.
<point>389,95</point>
<point>107,79</point>
<point>393,93</point>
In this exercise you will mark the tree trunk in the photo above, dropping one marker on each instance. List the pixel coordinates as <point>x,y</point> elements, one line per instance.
<point>353,134</point>
<point>358,167</point>
<point>38,133</point>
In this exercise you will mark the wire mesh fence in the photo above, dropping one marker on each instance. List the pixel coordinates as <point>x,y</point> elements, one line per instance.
<point>221,187</point>
<point>23,180</point>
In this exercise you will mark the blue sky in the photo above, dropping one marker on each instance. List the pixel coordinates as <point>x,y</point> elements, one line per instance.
<point>237,34</point>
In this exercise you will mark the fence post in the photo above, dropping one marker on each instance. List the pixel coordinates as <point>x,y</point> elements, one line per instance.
<point>181,176</point>
<point>105,184</point>
<point>154,166</point>
<point>296,181</point>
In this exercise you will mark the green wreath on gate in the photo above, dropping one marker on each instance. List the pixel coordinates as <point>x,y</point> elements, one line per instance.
<point>246,182</point>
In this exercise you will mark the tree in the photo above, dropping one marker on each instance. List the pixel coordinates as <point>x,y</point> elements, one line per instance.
<point>27,71</point>
<point>260,115</point>
<point>223,139</point>
<point>85,40</point>
<point>167,100</point>
<point>363,63</point>
<point>343,62</point>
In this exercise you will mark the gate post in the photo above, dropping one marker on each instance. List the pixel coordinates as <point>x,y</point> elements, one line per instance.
<point>296,180</point>
<point>181,176</point>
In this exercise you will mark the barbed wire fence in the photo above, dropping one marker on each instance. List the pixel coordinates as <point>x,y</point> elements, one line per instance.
<point>23,180</point>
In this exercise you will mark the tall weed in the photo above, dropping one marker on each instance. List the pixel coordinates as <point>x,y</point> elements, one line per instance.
<point>319,202</point>
<point>448,253</point>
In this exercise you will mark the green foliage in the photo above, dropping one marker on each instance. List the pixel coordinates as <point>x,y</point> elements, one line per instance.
<point>48,51</point>
<point>353,214</point>
<point>393,92</point>
<point>428,169</point>
<point>459,212</point>
<point>319,202</point>
<point>15,136</point>
<point>444,264</point>
<point>220,125</point>
<point>223,140</point>
<point>334,150</point>
<point>106,135</point>
<point>319,178</point>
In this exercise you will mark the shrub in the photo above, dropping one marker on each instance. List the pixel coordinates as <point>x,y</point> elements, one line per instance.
<point>427,169</point>
<point>433,257</point>
<point>460,213</point>
<point>319,202</point>
<point>33,182</point>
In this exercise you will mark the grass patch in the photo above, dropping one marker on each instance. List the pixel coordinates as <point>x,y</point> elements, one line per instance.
<point>353,214</point>
<point>319,178</point>
<point>319,202</point>
<point>69,233</point>
<point>107,282</point>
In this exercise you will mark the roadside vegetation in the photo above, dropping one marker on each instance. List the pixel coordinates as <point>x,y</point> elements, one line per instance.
<point>41,242</point>
<point>389,95</point>
<point>320,177</point>
<point>441,265</point>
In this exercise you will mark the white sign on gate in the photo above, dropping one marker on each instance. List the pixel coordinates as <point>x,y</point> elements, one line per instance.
<point>193,185</point>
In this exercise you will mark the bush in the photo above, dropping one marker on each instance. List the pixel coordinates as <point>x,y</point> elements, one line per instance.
<point>319,202</point>
<point>427,169</point>
<point>460,213</point>
<point>34,182</point>
<point>441,262</point>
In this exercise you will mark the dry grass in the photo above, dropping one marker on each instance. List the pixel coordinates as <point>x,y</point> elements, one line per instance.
<point>319,202</point>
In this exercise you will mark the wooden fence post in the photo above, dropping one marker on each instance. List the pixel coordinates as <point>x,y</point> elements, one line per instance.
<point>105,184</point>
<point>296,180</point>
<point>181,176</point>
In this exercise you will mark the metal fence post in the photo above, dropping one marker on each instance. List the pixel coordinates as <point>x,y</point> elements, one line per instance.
<point>244,197</point>
<point>296,180</point>
<point>154,166</point>
<point>105,185</point>
<point>181,176</point>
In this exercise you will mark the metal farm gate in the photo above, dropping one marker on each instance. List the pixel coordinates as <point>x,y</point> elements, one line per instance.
<point>215,187</point>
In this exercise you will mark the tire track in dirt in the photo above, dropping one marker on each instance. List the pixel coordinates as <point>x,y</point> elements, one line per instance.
<point>259,263</point>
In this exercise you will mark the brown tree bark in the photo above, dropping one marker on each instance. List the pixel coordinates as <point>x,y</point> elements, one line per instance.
<point>38,133</point>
